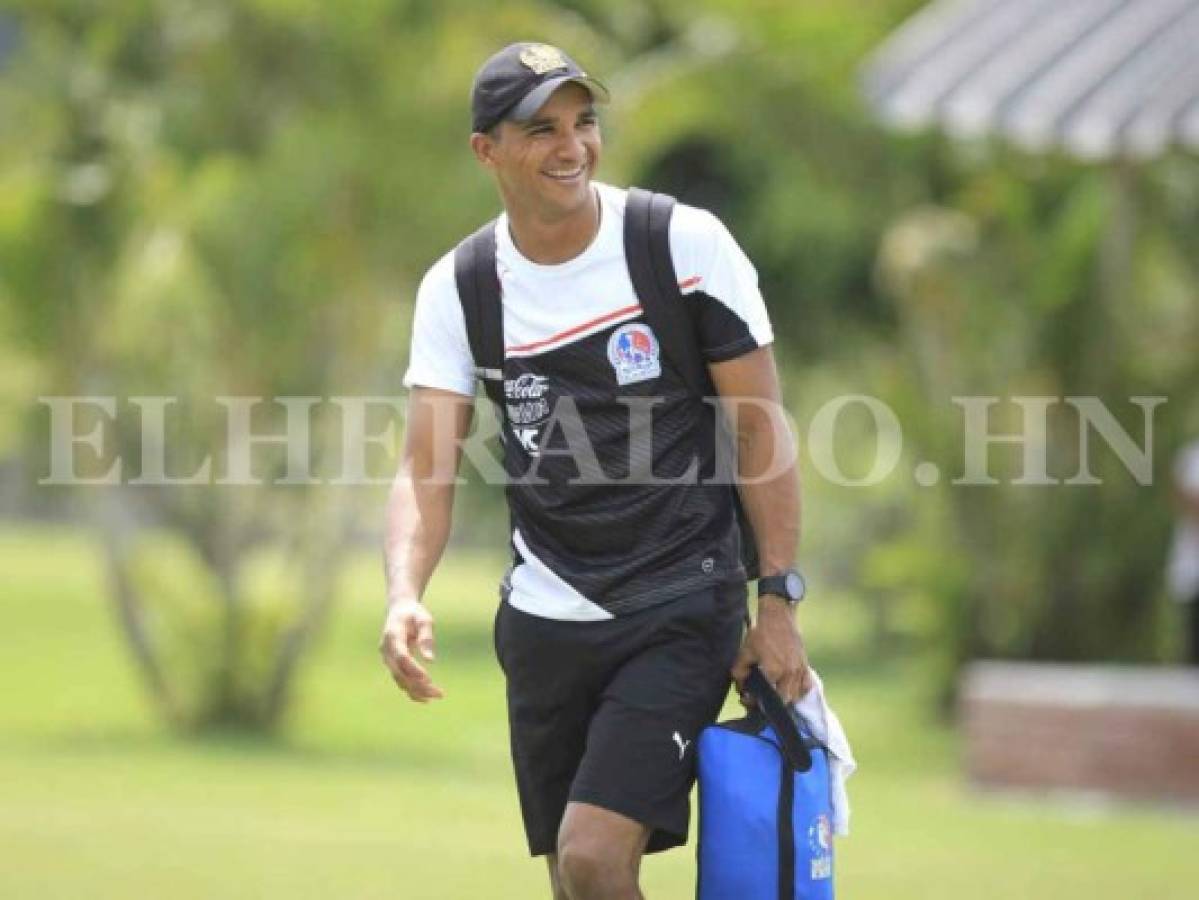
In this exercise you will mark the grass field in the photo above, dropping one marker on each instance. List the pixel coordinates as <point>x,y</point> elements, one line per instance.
<point>370,796</point>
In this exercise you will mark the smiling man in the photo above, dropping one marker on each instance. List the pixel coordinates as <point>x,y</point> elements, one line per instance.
<point>621,616</point>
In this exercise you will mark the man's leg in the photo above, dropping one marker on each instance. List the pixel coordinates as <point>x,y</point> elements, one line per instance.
<point>557,892</point>
<point>630,793</point>
<point>599,854</point>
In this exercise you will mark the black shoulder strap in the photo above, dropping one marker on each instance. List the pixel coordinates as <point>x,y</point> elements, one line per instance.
<point>651,268</point>
<point>479,293</point>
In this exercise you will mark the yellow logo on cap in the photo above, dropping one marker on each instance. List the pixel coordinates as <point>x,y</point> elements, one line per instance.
<point>542,58</point>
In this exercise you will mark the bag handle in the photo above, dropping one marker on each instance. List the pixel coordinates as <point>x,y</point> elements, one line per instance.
<point>782,719</point>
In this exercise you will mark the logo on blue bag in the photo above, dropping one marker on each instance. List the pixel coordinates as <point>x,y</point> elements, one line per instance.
<point>820,842</point>
<point>633,351</point>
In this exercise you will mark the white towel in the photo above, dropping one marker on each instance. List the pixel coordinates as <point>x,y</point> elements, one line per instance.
<point>813,708</point>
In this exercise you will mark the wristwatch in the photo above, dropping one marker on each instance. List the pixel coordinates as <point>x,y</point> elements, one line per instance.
<point>789,585</point>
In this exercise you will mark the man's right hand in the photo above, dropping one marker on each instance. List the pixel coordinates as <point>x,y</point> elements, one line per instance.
<point>409,627</point>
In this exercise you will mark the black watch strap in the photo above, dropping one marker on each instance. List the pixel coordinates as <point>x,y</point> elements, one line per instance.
<point>789,585</point>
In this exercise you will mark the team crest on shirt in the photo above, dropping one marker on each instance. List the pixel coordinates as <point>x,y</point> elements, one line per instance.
<point>634,353</point>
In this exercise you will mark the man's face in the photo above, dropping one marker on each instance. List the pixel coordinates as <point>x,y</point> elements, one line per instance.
<point>545,164</point>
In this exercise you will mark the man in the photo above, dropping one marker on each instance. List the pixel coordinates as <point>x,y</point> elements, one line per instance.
<point>621,616</point>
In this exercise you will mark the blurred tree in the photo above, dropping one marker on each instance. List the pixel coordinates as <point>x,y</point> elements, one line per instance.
<point>237,198</point>
<point>1000,275</point>
<point>1009,289</point>
<point>230,199</point>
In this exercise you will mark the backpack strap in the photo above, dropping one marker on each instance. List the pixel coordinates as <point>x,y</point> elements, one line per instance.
<point>651,269</point>
<point>480,294</point>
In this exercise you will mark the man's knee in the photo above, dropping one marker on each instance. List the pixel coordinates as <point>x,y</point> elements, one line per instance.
<point>589,870</point>
<point>599,854</point>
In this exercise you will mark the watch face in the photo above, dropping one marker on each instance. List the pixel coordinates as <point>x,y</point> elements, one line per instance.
<point>795,587</point>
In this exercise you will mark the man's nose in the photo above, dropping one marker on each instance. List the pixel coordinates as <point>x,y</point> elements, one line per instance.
<point>570,147</point>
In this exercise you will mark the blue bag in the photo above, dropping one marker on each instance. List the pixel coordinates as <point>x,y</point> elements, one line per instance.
<point>765,810</point>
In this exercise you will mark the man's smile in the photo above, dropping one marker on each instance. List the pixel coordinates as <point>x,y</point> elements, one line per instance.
<point>565,174</point>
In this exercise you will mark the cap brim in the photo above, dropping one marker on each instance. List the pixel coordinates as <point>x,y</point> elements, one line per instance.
<point>536,98</point>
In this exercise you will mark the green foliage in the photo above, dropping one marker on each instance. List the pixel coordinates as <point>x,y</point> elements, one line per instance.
<point>227,198</point>
<point>916,270</point>
<point>200,199</point>
<point>1034,301</point>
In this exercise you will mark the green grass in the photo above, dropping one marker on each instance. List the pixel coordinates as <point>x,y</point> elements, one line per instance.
<point>371,796</point>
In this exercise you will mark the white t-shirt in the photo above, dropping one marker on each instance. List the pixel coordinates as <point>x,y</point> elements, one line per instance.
<point>706,258</point>
<point>576,330</point>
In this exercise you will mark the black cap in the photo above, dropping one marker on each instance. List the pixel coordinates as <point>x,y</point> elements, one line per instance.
<point>514,83</point>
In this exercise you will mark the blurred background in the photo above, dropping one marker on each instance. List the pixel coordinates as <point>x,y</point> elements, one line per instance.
<point>999,198</point>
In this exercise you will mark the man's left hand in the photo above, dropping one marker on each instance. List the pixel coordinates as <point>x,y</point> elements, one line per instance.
<point>775,645</point>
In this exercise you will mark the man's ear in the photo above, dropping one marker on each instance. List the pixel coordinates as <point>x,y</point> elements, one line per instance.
<point>483,146</point>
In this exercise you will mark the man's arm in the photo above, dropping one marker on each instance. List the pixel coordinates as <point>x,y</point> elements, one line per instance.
<point>749,390</point>
<point>419,512</point>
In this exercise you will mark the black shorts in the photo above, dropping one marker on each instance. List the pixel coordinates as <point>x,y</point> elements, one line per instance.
<point>608,712</point>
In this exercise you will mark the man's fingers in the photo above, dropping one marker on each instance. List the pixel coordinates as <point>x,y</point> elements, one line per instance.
<point>412,671</point>
<point>797,683</point>
<point>789,689</point>
<point>417,679</point>
<point>743,663</point>
<point>394,652</point>
<point>805,680</point>
<point>408,673</point>
<point>407,632</point>
<point>424,639</point>
<point>418,689</point>
<point>420,693</point>
<point>781,685</point>
<point>776,673</point>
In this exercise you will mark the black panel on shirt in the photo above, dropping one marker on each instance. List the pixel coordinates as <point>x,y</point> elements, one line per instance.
<point>630,546</point>
<point>723,335</point>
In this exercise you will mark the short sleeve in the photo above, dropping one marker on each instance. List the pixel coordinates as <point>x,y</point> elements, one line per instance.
<point>717,276</point>
<point>440,353</point>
